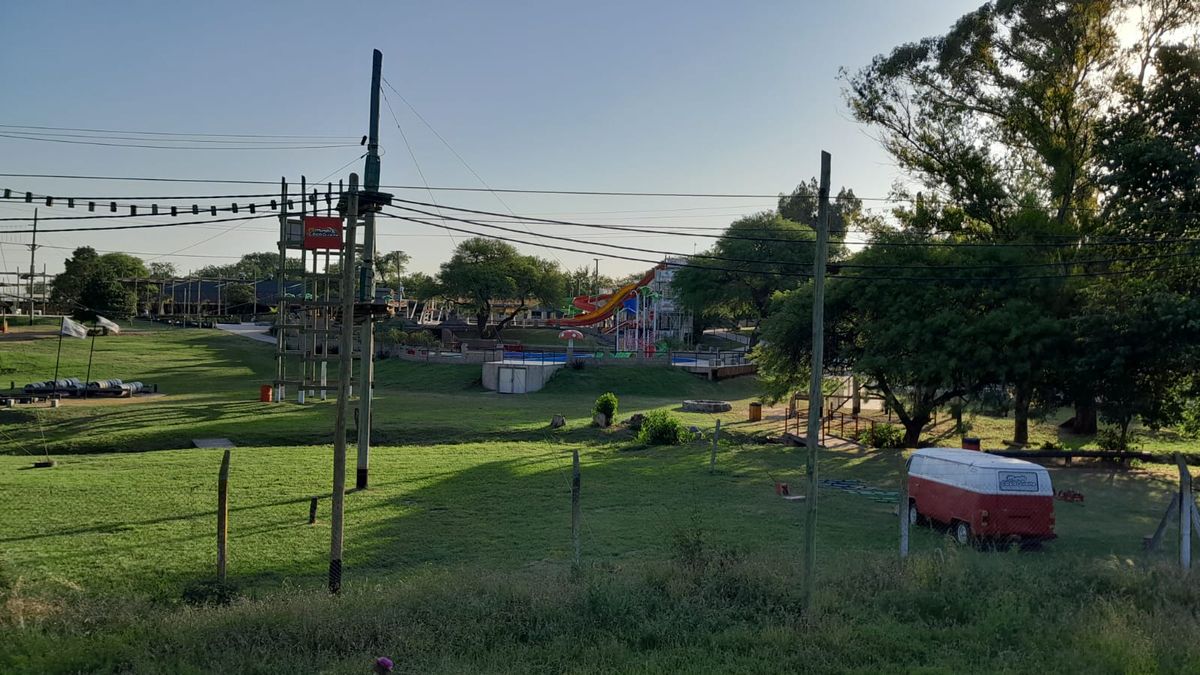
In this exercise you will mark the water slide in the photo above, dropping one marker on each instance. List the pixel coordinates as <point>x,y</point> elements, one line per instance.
<point>604,309</point>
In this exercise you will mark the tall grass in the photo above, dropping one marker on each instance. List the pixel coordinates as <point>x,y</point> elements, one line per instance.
<point>707,609</point>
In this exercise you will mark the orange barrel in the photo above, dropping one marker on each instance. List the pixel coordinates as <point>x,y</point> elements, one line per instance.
<point>755,411</point>
<point>266,393</point>
<point>970,443</point>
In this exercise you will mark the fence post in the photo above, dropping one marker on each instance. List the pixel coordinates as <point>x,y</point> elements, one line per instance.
<point>902,507</point>
<point>312,511</point>
<point>1185,513</point>
<point>575,511</point>
<point>712,462</point>
<point>222,515</point>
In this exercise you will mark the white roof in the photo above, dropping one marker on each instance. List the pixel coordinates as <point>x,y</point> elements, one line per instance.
<point>976,458</point>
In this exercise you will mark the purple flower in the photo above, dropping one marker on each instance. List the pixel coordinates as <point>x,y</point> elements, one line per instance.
<point>383,665</point>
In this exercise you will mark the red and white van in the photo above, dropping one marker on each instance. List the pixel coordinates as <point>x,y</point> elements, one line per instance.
<point>980,496</point>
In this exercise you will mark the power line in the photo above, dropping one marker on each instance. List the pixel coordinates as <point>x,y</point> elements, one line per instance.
<point>172,133</point>
<point>459,157</point>
<point>148,226</point>
<point>230,142</point>
<point>634,228</point>
<point>806,264</point>
<point>172,147</point>
<point>875,278</point>
<point>411,154</point>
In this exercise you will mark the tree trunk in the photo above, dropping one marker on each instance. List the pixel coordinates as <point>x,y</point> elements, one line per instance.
<point>913,428</point>
<point>1085,418</point>
<point>1021,400</point>
<point>481,319</point>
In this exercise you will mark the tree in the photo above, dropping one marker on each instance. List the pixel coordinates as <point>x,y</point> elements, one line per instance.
<point>845,210</point>
<point>241,298</point>
<point>162,270</point>
<point>583,281</point>
<point>262,265</point>
<point>484,271</point>
<point>756,257</point>
<point>390,267</point>
<point>91,283</point>
<point>420,286</point>
<point>1001,108</point>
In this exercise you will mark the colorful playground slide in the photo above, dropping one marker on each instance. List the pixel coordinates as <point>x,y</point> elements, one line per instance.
<point>603,307</point>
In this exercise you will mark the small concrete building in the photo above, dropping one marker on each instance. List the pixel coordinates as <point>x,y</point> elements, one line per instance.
<point>516,376</point>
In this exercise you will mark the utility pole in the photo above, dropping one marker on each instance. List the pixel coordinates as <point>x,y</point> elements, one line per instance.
<point>815,402</point>
<point>345,364</point>
<point>32,264</point>
<point>596,290</point>
<point>366,290</point>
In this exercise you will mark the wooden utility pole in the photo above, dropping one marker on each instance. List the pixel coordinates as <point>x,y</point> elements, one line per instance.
<point>1186,503</point>
<point>712,460</point>
<point>280,301</point>
<point>815,402</point>
<point>222,515</point>
<point>575,509</point>
<point>366,290</point>
<point>902,508</point>
<point>345,365</point>
<point>32,264</point>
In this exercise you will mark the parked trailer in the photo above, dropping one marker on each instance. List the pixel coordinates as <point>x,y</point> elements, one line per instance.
<point>981,496</point>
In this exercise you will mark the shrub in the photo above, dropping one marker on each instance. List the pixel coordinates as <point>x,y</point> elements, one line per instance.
<point>882,436</point>
<point>1110,439</point>
<point>662,428</point>
<point>606,404</point>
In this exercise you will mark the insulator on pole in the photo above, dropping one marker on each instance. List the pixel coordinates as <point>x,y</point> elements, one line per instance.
<point>91,206</point>
<point>174,211</point>
<point>195,210</point>
<point>49,200</point>
<point>154,209</point>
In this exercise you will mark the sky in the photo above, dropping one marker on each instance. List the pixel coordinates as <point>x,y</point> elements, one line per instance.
<point>675,96</point>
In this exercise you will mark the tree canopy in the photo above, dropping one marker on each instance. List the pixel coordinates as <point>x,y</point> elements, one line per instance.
<point>482,272</point>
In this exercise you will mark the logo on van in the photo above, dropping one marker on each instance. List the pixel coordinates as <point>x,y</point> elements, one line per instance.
<point>1018,481</point>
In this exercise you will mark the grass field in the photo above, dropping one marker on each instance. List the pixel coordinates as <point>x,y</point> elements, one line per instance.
<point>458,558</point>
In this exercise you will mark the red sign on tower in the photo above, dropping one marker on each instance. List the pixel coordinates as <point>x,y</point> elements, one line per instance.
<point>322,232</point>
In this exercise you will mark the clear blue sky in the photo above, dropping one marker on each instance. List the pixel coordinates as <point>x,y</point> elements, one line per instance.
<point>697,96</point>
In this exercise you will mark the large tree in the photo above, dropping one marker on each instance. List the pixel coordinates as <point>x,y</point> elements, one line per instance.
<point>900,315</point>
<point>483,272</point>
<point>93,284</point>
<point>756,257</point>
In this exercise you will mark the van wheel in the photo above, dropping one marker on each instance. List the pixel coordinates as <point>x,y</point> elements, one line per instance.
<point>914,516</point>
<point>962,533</point>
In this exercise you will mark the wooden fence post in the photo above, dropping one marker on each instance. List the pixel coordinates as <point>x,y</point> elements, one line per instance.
<point>222,515</point>
<point>712,461</point>
<point>312,511</point>
<point>902,507</point>
<point>1185,513</point>
<point>575,511</point>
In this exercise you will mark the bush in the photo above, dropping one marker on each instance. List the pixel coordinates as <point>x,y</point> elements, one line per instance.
<point>661,428</point>
<point>1110,439</point>
<point>882,436</point>
<point>606,404</point>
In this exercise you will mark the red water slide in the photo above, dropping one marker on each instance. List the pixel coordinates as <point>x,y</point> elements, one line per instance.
<point>605,309</point>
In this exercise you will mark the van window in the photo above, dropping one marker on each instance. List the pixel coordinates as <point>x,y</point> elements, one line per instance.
<point>1017,481</point>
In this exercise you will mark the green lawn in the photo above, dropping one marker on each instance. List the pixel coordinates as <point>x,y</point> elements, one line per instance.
<point>458,558</point>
